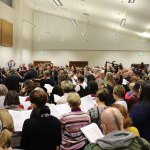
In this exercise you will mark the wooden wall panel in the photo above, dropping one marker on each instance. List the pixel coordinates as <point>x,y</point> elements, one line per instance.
<point>78,63</point>
<point>7,33</point>
<point>0,32</point>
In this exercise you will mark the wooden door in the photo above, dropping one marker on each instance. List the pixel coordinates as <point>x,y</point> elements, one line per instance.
<point>78,63</point>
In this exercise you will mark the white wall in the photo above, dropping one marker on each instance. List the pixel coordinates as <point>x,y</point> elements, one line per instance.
<point>94,57</point>
<point>21,52</point>
<point>6,53</point>
<point>67,44</point>
<point>97,47</point>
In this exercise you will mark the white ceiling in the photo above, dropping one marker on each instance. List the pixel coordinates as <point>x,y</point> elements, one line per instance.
<point>102,13</point>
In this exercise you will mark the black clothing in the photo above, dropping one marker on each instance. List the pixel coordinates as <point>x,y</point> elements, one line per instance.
<point>12,82</point>
<point>43,133</point>
<point>46,81</point>
<point>82,92</point>
<point>111,99</point>
<point>30,74</point>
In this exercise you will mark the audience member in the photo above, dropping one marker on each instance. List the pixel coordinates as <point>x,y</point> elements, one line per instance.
<point>6,129</point>
<point>3,92</point>
<point>42,130</point>
<point>119,94</point>
<point>26,88</point>
<point>12,81</point>
<point>126,119</point>
<point>47,79</point>
<point>11,101</point>
<point>72,136</point>
<point>114,135</point>
<point>140,113</point>
<point>31,73</point>
<point>67,87</point>
<point>95,113</point>
<point>92,88</point>
<point>81,86</point>
<point>109,85</point>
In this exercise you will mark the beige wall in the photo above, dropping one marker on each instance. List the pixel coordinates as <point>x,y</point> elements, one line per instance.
<point>22,48</point>
<point>6,53</point>
<point>93,57</point>
<point>33,44</point>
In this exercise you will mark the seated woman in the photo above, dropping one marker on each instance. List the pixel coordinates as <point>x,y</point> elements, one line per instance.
<point>67,87</point>
<point>42,131</point>
<point>72,136</point>
<point>11,101</point>
<point>26,88</point>
<point>6,129</point>
<point>127,120</point>
<point>95,113</point>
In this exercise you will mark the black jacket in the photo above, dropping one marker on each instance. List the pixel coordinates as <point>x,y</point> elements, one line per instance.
<point>12,82</point>
<point>42,133</point>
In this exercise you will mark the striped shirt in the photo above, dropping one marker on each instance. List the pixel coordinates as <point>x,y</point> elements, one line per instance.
<point>72,136</point>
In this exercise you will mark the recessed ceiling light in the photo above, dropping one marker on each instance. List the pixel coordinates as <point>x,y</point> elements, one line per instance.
<point>145,35</point>
<point>123,21</point>
<point>83,34</point>
<point>74,22</point>
<point>131,1</point>
<point>58,2</point>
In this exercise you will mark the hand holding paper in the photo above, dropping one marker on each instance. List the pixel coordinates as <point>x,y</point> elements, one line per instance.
<point>92,132</point>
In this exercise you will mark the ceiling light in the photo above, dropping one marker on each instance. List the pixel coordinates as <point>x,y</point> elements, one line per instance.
<point>145,35</point>
<point>123,21</point>
<point>58,2</point>
<point>74,22</point>
<point>28,23</point>
<point>131,1</point>
<point>83,34</point>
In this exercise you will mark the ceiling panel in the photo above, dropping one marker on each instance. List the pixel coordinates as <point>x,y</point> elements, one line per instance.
<point>102,13</point>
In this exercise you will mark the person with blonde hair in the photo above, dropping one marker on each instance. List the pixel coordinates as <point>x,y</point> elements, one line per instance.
<point>67,87</point>
<point>6,129</point>
<point>72,136</point>
<point>119,94</point>
<point>3,92</point>
<point>109,85</point>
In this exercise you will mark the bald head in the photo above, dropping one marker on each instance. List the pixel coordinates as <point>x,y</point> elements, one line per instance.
<point>112,120</point>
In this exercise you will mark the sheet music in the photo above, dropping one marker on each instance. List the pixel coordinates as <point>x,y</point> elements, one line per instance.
<point>22,99</point>
<point>56,97</point>
<point>54,110</point>
<point>92,132</point>
<point>26,105</point>
<point>19,117</point>
<point>59,109</point>
<point>49,88</point>
<point>87,102</point>
<point>63,109</point>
